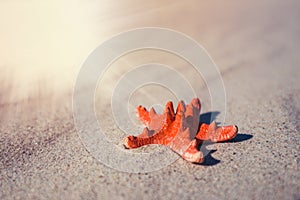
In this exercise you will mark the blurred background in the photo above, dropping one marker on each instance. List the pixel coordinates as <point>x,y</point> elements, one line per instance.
<point>44,43</point>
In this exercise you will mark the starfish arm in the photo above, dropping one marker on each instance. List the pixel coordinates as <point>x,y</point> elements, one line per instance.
<point>146,117</point>
<point>184,142</point>
<point>216,134</point>
<point>192,154</point>
<point>160,137</point>
<point>143,114</point>
<point>224,133</point>
<point>203,132</point>
<point>169,107</point>
<point>164,134</point>
<point>131,141</point>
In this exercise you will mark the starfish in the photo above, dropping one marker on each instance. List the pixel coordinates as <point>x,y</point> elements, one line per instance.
<point>180,131</point>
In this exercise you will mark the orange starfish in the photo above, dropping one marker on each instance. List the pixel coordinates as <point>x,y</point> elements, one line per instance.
<point>181,131</point>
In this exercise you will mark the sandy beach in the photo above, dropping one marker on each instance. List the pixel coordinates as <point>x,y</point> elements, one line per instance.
<point>255,45</point>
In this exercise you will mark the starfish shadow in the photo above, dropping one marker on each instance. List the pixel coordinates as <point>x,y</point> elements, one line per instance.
<point>208,117</point>
<point>240,137</point>
<point>209,160</point>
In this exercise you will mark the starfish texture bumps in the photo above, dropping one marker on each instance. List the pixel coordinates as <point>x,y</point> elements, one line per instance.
<point>180,131</point>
